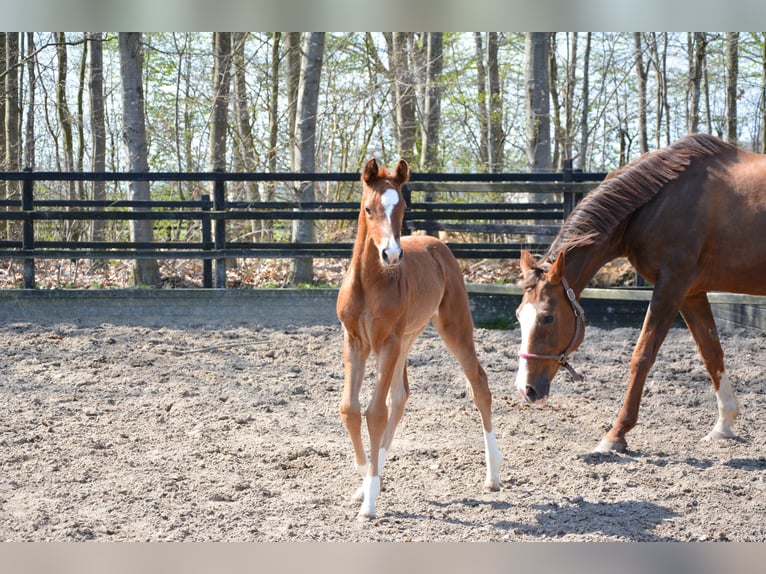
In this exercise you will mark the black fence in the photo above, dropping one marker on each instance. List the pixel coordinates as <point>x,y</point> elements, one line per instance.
<point>482,215</point>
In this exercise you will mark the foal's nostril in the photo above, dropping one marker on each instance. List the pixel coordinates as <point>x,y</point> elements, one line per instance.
<point>531,394</point>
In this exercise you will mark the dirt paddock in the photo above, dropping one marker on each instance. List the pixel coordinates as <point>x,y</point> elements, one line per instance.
<point>195,433</point>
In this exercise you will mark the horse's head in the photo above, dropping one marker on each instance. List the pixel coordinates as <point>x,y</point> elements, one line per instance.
<point>552,326</point>
<point>383,208</point>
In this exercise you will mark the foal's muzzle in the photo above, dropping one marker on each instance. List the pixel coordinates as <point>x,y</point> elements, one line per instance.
<point>391,255</point>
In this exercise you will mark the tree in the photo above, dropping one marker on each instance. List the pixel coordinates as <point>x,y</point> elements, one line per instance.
<point>12,112</point>
<point>496,132</point>
<point>732,71</point>
<point>584,125</point>
<point>537,100</point>
<point>434,63</point>
<point>697,53</point>
<point>305,135</point>
<point>65,121</point>
<point>405,122</point>
<point>641,75</point>
<point>29,136</point>
<point>294,59</point>
<point>145,271</point>
<point>97,125</point>
<point>481,84</point>
<point>763,93</point>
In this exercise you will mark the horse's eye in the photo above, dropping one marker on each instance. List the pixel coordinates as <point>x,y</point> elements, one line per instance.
<point>368,210</point>
<point>546,320</point>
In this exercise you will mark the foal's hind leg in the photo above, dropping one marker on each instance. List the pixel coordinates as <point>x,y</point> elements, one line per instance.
<point>456,330</point>
<point>699,318</point>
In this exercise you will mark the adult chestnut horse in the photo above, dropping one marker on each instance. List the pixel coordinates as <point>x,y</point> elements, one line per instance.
<point>395,286</point>
<point>690,217</point>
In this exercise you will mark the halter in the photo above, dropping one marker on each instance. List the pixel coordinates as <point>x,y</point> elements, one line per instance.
<point>579,324</point>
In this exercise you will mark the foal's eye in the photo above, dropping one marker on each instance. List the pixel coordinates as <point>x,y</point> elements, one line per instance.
<point>546,320</point>
<point>368,210</point>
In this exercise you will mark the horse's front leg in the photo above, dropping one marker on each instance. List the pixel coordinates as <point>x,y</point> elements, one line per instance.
<point>355,354</point>
<point>377,421</point>
<point>659,319</point>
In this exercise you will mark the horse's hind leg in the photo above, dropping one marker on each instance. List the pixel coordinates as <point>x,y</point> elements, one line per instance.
<point>699,318</point>
<point>455,326</point>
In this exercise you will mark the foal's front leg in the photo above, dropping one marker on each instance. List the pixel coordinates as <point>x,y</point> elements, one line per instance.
<point>377,421</point>
<point>355,354</point>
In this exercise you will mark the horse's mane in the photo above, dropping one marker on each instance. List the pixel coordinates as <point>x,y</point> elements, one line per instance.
<point>599,215</point>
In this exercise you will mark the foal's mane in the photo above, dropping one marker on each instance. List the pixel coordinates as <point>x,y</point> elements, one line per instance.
<point>599,215</point>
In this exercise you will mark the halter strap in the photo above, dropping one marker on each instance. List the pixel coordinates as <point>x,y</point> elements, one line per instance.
<point>579,324</point>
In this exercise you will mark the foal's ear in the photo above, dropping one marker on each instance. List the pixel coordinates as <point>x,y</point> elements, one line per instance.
<point>556,272</point>
<point>402,172</point>
<point>370,171</point>
<point>527,261</point>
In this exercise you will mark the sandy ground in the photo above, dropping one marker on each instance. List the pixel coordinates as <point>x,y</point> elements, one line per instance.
<point>189,433</point>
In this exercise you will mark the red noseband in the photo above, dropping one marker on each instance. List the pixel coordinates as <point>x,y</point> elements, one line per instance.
<point>579,325</point>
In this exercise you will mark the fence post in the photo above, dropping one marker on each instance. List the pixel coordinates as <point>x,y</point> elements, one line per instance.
<point>207,243</point>
<point>569,196</point>
<point>28,229</point>
<point>219,205</point>
<point>407,195</point>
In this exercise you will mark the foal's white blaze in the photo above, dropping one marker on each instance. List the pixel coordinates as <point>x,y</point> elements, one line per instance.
<point>527,318</point>
<point>389,200</point>
<point>727,410</point>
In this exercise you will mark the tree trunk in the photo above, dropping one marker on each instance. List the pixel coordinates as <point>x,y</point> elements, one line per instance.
<point>221,87</point>
<point>65,121</point>
<point>641,76</point>
<point>732,71</point>
<point>582,153</point>
<point>569,91</point>
<point>244,124</point>
<point>537,101</point>
<point>273,105</point>
<point>496,133</point>
<point>294,59</point>
<point>4,184</point>
<point>697,49</point>
<point>97,125</point>
<point>429,159</point>
<point>29,136</point>
<point>404,95</point>
<point>763,93</point>
<point>145,271</point>
<point>481,84</point>
<point>12,110</point>
<point>305,137</point>
<point>558,132</point>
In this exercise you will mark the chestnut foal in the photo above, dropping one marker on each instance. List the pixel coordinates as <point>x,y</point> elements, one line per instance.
<point>395,286</point>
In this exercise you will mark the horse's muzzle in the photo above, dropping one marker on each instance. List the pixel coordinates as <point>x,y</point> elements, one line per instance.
<point>531,395</point>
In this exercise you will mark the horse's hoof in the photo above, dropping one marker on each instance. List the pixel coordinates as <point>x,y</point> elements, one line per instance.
<point>715,435</point>
<point>607,446</point>
<point>492,485</point>
<point>365,514</point>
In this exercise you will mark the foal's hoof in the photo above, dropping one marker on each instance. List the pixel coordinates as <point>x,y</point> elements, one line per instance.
<point>607,446</point>
<point>366,514</point>
<point>492,485</point>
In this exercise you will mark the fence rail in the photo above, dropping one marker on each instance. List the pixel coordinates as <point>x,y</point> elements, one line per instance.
<point>520,223</point>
